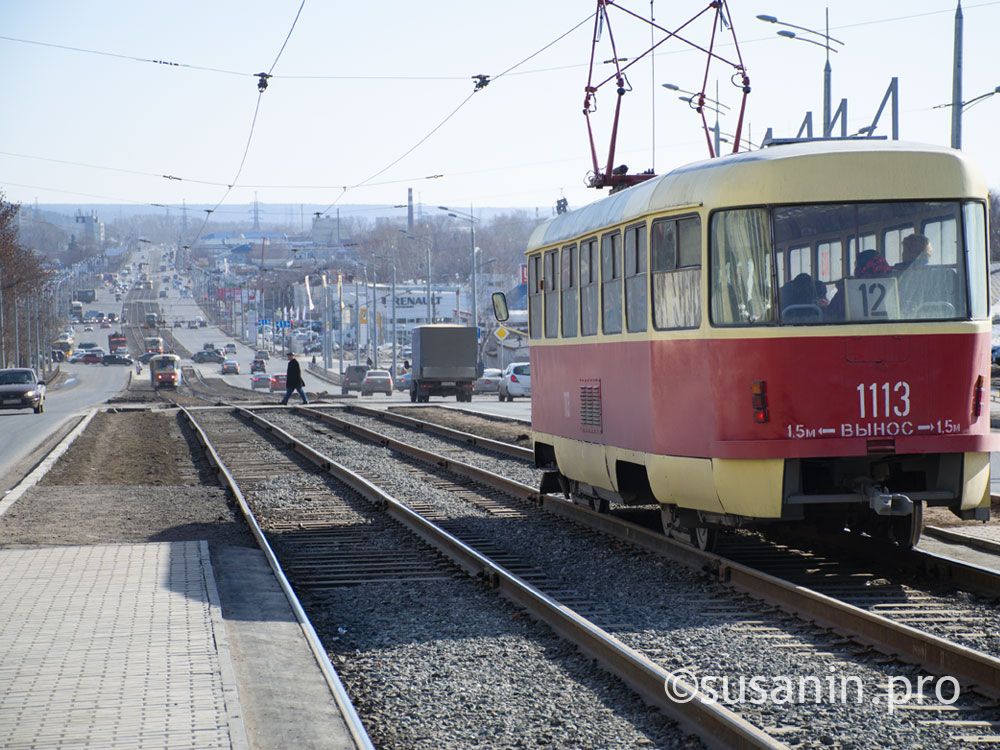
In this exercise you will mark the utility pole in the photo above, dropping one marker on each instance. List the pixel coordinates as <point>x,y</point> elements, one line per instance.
<point>340,317</point>
<point>956,82</point>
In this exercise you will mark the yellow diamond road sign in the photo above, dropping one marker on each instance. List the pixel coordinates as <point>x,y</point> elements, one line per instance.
<point>501,333</point>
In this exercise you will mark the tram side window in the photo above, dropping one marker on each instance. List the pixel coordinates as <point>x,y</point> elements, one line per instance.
<point>830,259</point>
<point>675,247</point>
<point>611,283</point>
<point>568,290</point>
<point>535,296</point>
<point>588,287</point>
<point>740,268</point>
<point>974,215</point>
<point>635,278</point>
<point>551,294</point>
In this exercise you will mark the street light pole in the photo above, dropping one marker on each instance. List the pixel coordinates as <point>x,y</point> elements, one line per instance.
<point>827,69</point>
<point>469,217</point>
<point>956,82</point>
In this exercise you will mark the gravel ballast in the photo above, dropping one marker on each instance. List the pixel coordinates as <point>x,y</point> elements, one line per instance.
<point>675,615</point>
<point>443,663</point>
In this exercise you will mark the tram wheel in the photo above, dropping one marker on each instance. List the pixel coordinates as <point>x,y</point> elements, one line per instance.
<point>904,531</point>
<point>704,538</point>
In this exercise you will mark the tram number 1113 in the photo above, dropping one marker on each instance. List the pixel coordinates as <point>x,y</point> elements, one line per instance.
<point>883,399</point>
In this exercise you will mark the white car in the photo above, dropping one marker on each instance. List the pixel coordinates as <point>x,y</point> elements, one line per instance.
<point>516,381</point>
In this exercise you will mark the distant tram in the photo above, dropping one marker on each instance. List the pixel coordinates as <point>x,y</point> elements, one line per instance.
<point>165,371</point>
<point>152,320</point>
<point>800,333</point>
<point>153,344</point>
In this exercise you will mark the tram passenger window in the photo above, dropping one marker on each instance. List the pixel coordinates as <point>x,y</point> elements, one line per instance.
<point>868,242</point>
<point>611,283</point>
<point>740,268</point>
<point>588,287</point>
<point>943,236</point>
<point>799,261</point>
<point>568,290</point>
<point>551,294</point>
<point>676,273</point>
<point>535,296</point>
<point>635,278</point>
<point>830,261</point>
<point>892,241</point>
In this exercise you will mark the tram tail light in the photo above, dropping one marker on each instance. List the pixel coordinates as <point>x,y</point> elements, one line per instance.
<point>758,400</point>
<point>977,397</point>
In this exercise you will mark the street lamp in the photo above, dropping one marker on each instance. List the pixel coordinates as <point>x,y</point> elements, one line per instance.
<point>430,296</point>
<point>472,225</point>
<point>827,70</point>
<point>693,99</point>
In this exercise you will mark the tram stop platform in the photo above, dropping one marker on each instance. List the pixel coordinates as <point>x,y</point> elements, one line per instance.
<point>149,645</point>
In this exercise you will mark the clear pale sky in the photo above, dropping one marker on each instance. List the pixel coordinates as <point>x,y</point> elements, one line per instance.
<point>520,142</point>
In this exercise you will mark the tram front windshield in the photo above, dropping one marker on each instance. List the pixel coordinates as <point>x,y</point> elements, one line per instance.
<point>849,263</point>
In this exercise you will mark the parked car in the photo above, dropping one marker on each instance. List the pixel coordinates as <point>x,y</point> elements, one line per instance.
<point>230,367</point>
<point>192,324</point>
<point>117,359</point>
<point>146,356</point>
<point>277,383</point>
<point>376,380</point>
<point>20,388</point>
<point>258,365</point>
<point>178,323</point>
<point>260,380</point>
<point>516,381</point>
<point>353,376</point>
<point>207,355</point>
<point>230,348</point>
<point>489,382</point>
<point>262,354</point>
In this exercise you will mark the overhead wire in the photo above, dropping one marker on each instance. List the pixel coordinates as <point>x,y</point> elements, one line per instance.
<point>481,84</point>
<point>261,88</point>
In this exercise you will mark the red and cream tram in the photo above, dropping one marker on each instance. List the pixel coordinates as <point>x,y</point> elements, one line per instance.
<point>796,333</point>
<point>165,371</point>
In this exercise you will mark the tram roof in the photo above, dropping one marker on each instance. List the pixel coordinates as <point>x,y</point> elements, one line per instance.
<point>818,171</point>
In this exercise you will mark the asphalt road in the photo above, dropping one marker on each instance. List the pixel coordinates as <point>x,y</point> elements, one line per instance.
<point>21,430</point>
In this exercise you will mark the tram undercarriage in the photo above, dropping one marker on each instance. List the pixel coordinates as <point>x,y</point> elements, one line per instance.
<point>882,496</point>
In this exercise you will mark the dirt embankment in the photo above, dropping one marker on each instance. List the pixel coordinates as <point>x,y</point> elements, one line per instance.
<point>508,432</point>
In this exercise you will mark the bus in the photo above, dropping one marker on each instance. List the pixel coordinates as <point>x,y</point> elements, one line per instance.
<point>799,333</point>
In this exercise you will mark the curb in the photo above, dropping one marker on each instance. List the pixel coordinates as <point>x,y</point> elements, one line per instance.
<point>947,535</point>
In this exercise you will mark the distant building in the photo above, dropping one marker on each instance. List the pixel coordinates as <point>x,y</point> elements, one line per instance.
<point>91,228</point>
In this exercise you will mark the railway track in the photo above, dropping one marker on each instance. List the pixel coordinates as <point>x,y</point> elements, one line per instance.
<point>342,531</point>
<point>946,633</point>
<point>851,569</point>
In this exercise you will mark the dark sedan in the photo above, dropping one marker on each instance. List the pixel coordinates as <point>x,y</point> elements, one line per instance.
<point>117,359</point>
<point>207,355</point>
<point>20,388</point>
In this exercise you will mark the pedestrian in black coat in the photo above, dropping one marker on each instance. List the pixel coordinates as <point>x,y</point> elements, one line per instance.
<point>293,380</point>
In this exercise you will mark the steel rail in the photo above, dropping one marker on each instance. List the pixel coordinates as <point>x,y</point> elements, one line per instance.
<point>937,655</point>
<point>497,446</point>
<point>354,725</point>
<point>716,725</point>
